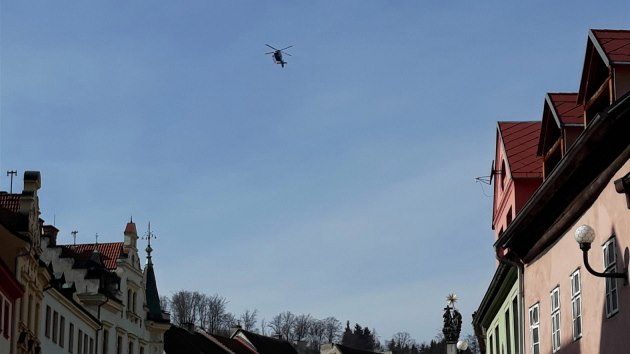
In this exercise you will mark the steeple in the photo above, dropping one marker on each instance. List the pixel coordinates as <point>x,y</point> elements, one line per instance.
<point>152,296</point>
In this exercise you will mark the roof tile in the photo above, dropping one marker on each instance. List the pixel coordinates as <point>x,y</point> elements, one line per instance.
<point>521,143</point>
<point>615,43</point>
<point>110,252</point>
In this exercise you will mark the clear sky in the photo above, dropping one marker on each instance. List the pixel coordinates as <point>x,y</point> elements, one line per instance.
<point>342,185</point>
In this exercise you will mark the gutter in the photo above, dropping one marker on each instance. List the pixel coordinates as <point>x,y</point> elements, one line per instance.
<point>520,297</point>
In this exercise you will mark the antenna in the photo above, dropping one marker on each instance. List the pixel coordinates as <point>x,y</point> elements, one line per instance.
<point>74,236</point>
<point>11,173</point>
<point>488,179</point>
<point>96,237</point>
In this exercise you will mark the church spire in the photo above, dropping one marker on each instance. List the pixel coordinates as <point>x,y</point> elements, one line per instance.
<point>152,296</point>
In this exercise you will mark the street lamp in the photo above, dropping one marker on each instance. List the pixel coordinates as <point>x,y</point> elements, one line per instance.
<point>585,235</point>
<point>462,345</point>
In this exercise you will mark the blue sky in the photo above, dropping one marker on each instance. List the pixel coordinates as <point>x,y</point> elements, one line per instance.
<point>342,185</point>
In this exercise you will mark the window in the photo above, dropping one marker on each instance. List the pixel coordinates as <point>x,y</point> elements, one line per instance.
<point>29,316</point>
<point>555,319</point>
<point>55,327</point>
<point>105,341</point>
<point>141,350</point>
<point>503,174</point>
<point>508,338</point>
<point>490,344</point>
<point>534,328</point>
<point>80,342</point>
<point>62,330</point>
<point>497,342</point>
<point>85,343</point>
<point>610,265</point>
<point>130,351</point>
<point>2,324</point>
<point>91,345</point>
<point>47,328</point>
<point>576,304</point>
<point>515,316</point>
<point>5,317</point>
<point>71,338</point>
<point>119,345</point>
<point>37,316</point>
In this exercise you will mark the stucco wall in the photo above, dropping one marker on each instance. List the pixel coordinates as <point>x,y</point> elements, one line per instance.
<point>607,216</point>
<point>499,324</point>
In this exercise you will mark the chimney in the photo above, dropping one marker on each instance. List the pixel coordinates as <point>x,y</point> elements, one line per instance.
<point>51,232</point>
<point>189,326</point>
<point>32,182</point>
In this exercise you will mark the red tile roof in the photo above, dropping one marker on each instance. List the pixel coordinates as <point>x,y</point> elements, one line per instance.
<point>566,108</point>
<point>521,143</point>
<point>110,252</point>
<point>615,44</point>
<point>10,201</point>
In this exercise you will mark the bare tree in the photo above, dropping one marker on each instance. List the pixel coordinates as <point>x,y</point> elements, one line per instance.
<point>332,329</point>
<point>301,325</point>
<point>283,324</point>
<point>183,307</point>
<point>263,325</point>
<point>276,324</point>
<point>216,313</point>
<point>288,319</point>
<point>402,340</point>
<point>316,333</point>
<point>248,320</point>
<point>164,303</point>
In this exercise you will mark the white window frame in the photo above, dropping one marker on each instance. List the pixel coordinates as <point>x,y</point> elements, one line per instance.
<point>534,326</point>
<point>555,318</point>
<point>609,249</point>
<point>576,304</point>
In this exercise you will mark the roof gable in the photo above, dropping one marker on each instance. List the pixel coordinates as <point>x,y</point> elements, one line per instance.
<point>560,110</point>
<point>612,45</point>
<point>520,140</point>
<point>603,49</point>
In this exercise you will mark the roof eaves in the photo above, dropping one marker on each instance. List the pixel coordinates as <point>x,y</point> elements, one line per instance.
<point>501,274</point>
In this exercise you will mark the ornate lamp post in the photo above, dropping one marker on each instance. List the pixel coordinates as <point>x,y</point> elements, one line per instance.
<point>452,326</point>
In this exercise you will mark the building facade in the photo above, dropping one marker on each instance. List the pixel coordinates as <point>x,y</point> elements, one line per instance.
<point>585,146</point>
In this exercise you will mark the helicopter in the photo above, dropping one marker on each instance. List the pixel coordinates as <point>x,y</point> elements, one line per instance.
<point>277,54</point>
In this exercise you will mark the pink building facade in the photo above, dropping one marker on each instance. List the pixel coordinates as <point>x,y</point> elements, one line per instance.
<point>582,157</point>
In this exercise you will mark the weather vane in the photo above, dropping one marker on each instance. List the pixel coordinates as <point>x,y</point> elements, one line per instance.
<point>148,236</point>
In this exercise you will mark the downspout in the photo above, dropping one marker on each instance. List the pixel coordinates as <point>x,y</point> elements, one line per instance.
<point>520,302</point>
<point>98,316</point>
